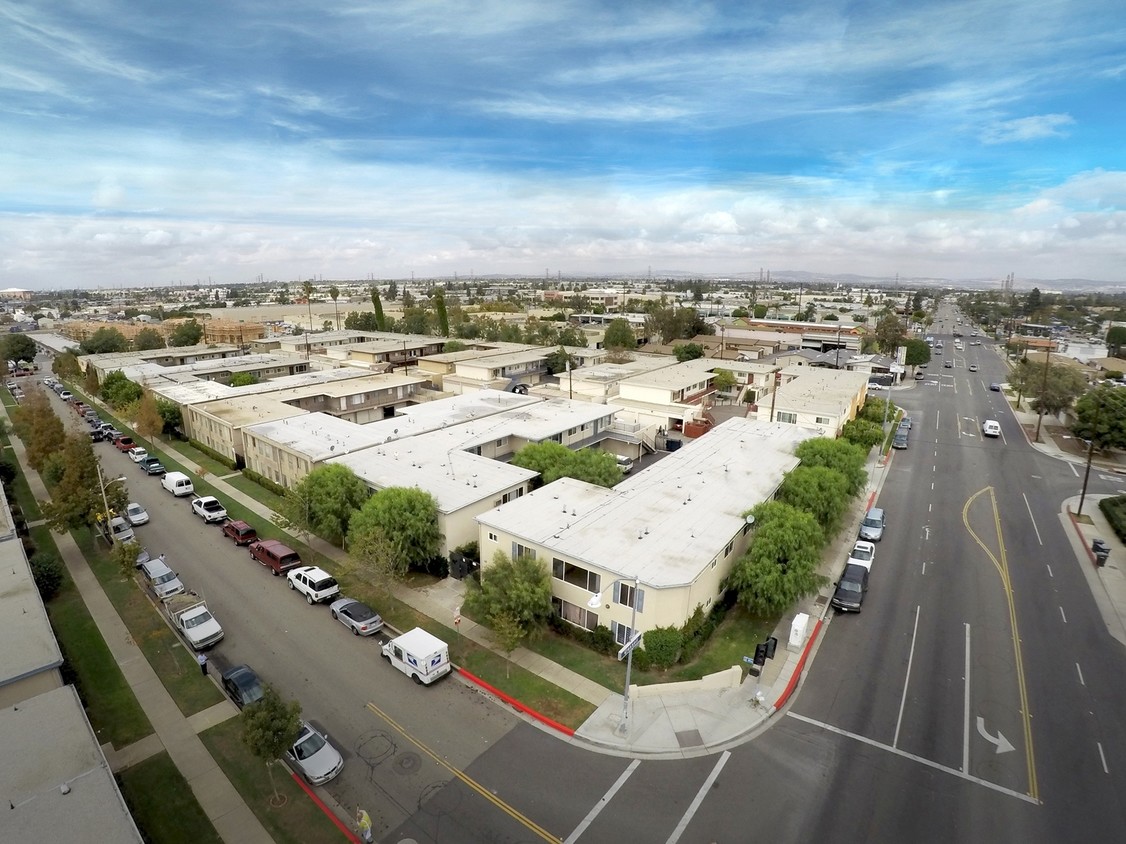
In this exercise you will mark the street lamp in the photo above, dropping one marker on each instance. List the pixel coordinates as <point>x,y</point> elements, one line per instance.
<point>634,638</point>
<point>105,501</point>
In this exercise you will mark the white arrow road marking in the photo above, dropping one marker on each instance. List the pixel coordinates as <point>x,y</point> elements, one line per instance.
<point>1002,743</point>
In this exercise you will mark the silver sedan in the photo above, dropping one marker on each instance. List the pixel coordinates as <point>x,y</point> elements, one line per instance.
<point>358,617</point>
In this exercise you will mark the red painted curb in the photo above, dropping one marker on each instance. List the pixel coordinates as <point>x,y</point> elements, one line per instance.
<point>1082,538</point>
<point>511,701</point>
<point>789,690</point>
<point>351,836</point>
<point>871,500</point>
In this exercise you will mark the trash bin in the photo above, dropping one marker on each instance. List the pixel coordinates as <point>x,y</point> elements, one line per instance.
<point>1101,558</point>
<point>1100,546</point>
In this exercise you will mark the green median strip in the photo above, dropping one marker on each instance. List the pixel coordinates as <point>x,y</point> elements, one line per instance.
<point>162,803</point>
<point>298,820</point>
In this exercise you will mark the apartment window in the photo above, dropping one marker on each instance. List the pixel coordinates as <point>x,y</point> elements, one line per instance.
<point>622,632</point>
<point>786,416</point>
<point>823,420</point>
<point>576,575</point>
<point>625,595</point>
<point>492,537</point>
<point>519,551</point>
<point>730,547</point>
<point>577,615</point>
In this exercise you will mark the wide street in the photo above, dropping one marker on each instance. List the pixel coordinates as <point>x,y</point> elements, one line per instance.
<point>976,697</point>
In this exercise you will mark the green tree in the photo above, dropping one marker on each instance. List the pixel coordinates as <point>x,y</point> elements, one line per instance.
<point>124,556</point>
<point>839,455</point>
<point>687,351</point>
<point>118,391</point>
<point>1100,416</point>
<point>1034,302</point>
<point>740,313</point>
<point>150,423</point>
<point>1115,340</point>
<point>889,333</point>
<point>723,380</point>
<point>863,433</point>
<point>1064,385</point>
<point>1025,377</point>
<point>669,324</point>
<point>393,290</point>
<point>186,334</point>
<point>76,501</point>
<point>324,501</point>
<point>557,361</point>
<point>148,338</point>
<point>554,461</point>
<point>407,517</point>
<point>66,366</point>
<point>47,571</point>
<point>619,336</point>
<point>377,306</point>
<point>443,318</point>
<point>454,346</point>
<point>104,341</point>
<point>780,567</point>
<point>509,635</point>
<point>18,347</point>
<point>244,379</point>
<point>876,410</point>
<point>663,644</point>
<point>371,554</point>
<point>519,589</point>
<point>90,381</point>
<point>761,311</point>
<point>269,727</point>
<point>41,431</point>
<point>334,294</point>
<point>918,353</point>
<point>170,413</point>
<point>820,491</point>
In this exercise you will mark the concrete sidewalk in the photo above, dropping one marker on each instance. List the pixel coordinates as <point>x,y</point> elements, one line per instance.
<point>218,798</point>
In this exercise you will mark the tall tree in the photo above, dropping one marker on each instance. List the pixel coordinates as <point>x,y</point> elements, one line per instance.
<point>840,455</point>
<point>392,291</point>
<point>554,461</point>
<point>41,431</point>
<point>77,499</point>
<point>187,333</point>
<point>407,517</point>
<point>66,366</point>
<point>104,341</point>
<point>148,338</point>
<point>1115,340</point>
<point>17,347</point>
<point>307,289</point>
<point>918,352</point>
<point>780,567</point>
<point>889,333</point>
<point>1064,385</point>
<point>440,311</point>
<point>1100,416</point>
<point>334,294</point>
<point>517,589</point>
<point>377,305</point>
<point>819,491</point>
<point>150,423</point>
<point>269,727</point>
<point>324,501</point>
<point>619,336</point>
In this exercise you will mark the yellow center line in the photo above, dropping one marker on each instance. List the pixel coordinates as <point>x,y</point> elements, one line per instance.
<point>1002,566</point>
<point>511,811</point>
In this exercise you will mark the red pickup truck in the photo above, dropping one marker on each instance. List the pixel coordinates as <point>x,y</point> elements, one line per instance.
<point>124,444</point>
<point>273,555</point>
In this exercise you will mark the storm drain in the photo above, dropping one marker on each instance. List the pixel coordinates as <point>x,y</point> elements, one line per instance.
<point>689,738</point>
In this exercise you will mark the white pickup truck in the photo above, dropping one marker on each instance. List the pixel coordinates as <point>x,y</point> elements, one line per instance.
<point>193,621</point>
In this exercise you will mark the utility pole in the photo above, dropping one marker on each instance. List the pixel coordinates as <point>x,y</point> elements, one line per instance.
<point>1044,390</point>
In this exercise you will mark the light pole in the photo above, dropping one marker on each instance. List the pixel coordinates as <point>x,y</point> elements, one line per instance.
<point>594,603</point>
<point>105,501</point>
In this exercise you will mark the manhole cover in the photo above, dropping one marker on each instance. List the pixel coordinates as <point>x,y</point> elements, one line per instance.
<point>407,763</point>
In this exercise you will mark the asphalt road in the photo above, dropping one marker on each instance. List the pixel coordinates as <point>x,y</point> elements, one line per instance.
<point>977,610</point>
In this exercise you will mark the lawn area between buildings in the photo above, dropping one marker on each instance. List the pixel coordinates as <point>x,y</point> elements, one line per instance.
<point>173,662</point>
<point>299,820</point>
<point>162,804</point>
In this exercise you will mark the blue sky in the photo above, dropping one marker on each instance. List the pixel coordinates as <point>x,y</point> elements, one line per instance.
<point>153,143</point>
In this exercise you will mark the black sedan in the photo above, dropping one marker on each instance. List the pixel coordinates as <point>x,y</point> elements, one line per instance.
<point>242,685</point>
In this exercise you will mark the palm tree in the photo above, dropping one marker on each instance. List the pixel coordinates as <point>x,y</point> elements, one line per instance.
<point>334,292</point>
<point>308,288</point>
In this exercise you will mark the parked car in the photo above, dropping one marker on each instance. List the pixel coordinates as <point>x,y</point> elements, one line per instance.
<point>66,395</point>
<point>124,443</point>
<point>900,439</point>
<point>242,685</point>
<point>240,532</point>
<point>138,454</point>
<point>948,364</point>
<point>178,484</point>
<point>97,435</point>
<point>991,428</point>
<point>136,514</point>
<point>906,422</point>
<point>973,367</point>
<point>872,528</point>
<point>851,588</point>
<point>161,579</point>
<point>919,376</point>
<point>862,554</point>
<point>315,584</point>
<point>995,387</point>
<point>358,617</point>
<point>151,465</point>
<point>316,759</point>
<point>275,556</point>
<point>209,508</point>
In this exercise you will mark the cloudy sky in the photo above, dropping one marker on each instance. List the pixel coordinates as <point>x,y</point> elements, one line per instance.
<point>155,142</point>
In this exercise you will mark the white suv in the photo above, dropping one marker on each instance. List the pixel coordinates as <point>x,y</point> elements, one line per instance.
<point>315,584</point>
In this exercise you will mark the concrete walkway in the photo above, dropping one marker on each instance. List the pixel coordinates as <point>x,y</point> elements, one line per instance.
<point>174,733</point>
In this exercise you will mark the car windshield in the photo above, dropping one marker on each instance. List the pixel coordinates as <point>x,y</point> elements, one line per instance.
<point>861,553</point>
<point>309,745</point>
<point>197,620</point>
<point>872,523</point>
<point>164,578</point>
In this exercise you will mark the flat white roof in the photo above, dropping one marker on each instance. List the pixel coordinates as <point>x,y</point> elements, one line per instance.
<point>317,436</point>
<point>193,392</point>
<point>29,642</point>
<point>48,743</point>
<point>816,388</point>
<point>502,359</point>
<point>678,376</point>
<point>667,522</point>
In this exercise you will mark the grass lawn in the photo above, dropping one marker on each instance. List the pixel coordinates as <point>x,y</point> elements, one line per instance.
<point>299,821</point>
<point>530,689</point>
<point>256,491</point>
<point>173,662</point>
<point>163,805</point>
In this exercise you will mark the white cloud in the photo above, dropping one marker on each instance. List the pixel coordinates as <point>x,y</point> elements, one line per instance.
<point>1027,129</point>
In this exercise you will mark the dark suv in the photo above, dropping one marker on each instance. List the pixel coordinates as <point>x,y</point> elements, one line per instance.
<point>850,589</point>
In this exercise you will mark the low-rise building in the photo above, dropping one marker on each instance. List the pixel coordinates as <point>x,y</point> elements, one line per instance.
<point>665,538</point>
<point>822,400</point>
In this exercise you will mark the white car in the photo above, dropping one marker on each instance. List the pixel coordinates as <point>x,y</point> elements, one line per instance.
<point>209,509</point>
<point>138,454</point>
<point>315,584</point>
<point>316,759</point>
<point>991,428</point>
<point>136,514</point>
<point>862,554</point>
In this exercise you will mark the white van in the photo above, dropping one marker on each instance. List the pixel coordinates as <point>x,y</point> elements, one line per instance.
<point>991,428</point>
<point>178,484</point>
<point>422,657</point>
<point>624,463</point>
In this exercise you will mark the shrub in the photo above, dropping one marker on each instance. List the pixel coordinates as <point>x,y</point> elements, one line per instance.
<point>663,644</point>
<point>602,640</point>
<point>47,569</point>
<point>7,472</point>
<point>1115,511</point>
<point>264,482</point>
<point>641,660</point>
<point>213,454</point>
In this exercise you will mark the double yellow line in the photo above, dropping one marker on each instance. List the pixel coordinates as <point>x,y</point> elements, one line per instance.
<point>1002,566</point>
<point>511,811</point>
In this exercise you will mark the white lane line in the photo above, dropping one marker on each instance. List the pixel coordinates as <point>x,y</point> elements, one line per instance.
<point>601,804</point>
<point>1064,617</point>
<point>919,759</point>
<point>924,567</point>
<point>1049,570</point>
<point>1082,682</point>
<point>966,709</point>
<point>1032,518</point>
<point>1074,471</point>
<point>699,798</point>
<point>906,679</point>
<point>1102,756</point>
